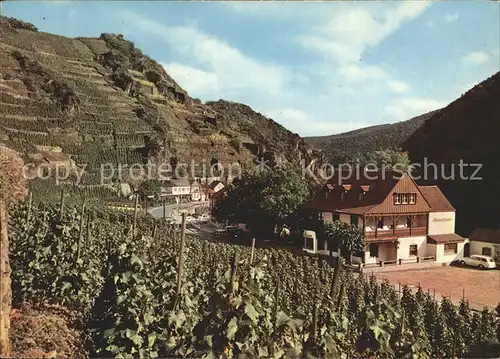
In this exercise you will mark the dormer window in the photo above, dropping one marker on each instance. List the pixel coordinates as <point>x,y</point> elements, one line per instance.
<point>405,198</point>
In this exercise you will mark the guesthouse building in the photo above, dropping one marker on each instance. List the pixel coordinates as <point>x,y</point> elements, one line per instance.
<point>401,221</point>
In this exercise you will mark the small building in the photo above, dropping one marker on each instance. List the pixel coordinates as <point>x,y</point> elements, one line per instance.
<point>401,221</point>
<point>486,242</point>
<point>216,186</point>
<point>183,190</point>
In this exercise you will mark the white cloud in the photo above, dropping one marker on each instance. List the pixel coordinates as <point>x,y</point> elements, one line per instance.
<point>193,80</point>
<point>451,17</point>
<point>356,73</point>
<point>351,30</point>
<point>398,86</point>
<point>413,106</point>
<point>475,58</point>
<point>217,61</point>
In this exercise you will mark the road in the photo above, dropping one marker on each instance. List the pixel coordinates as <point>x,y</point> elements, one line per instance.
<point>174,210</point>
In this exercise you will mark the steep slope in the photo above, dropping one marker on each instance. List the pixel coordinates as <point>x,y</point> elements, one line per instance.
<point>101,100</point>
<point>348,146</point>
<point>469,130</point>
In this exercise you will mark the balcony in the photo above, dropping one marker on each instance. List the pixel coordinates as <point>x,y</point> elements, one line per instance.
<point>395,232</point>
<point>395,226</point>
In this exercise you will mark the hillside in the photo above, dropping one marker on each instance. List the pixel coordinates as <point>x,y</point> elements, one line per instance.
<point>468,129</point>
<point>348,146</point>
<point>101,100</point>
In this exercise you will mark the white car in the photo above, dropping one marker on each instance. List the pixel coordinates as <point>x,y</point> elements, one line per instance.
<point>479,261</point>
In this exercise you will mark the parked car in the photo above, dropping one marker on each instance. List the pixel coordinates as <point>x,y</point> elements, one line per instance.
<point>479,261</point>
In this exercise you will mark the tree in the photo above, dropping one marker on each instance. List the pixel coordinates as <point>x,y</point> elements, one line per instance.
<point>149,188</point>
<point>263,200</point>
<point>388,159</point>
<point>12,189</point>
<point>348,238</point>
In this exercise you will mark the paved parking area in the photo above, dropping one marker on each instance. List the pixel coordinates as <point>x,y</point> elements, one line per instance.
<point>481,287</point>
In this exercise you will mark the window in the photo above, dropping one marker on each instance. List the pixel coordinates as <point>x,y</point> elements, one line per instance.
<point>309,243</point>
<point>405,198</point>
<point>408,221</point>
<point>450,248</point>
<point>354,220</point>
<point>336,217</point>
<point>413,250</point>
<point>373,250</point>
<point>486,251</point>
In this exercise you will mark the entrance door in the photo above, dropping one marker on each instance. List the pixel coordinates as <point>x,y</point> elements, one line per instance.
<point>467,250</point>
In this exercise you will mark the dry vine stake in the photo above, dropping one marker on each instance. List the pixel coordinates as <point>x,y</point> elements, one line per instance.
<point>80,237</point>
<point>234,268</point>
<point>61,207</point>
<point>335,282</point>
<point>30,204</point>
<point>252,252</point>
<point>134,228</point>
<point>180,267</point>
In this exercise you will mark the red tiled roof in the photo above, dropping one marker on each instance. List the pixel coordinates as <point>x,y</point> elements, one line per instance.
<point>436,199</point>
<point>376,187</point>
<point>485,235</point>
<point>444,238</point>
<point>380,184</point>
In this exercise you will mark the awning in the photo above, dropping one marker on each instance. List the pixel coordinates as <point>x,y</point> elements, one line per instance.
<point>444,238</point>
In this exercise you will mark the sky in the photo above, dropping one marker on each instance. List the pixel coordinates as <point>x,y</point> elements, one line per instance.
<point>318,68</point>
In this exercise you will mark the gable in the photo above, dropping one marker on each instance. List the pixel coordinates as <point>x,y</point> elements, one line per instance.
<point>405,185</point>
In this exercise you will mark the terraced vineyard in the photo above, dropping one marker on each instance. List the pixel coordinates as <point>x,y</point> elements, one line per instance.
<point>101,100</point>
<point>272,303</point>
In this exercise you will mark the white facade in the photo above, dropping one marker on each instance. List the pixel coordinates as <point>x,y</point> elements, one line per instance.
<point>406,244</point>
<point>218,187</point>
<point>441,223</point>
<point>446,256</point>
<point>178,191</point>
<point>486,248</point>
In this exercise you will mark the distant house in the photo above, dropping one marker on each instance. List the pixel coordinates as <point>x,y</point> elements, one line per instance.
<point>486,242</point>
<point>217,196</point>
<point>216,186</point>
<point>401,221</point>
<point>183,190</point>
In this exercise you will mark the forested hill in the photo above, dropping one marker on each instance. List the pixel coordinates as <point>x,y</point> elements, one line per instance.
<point>349,146</point>
<point>468,129</point>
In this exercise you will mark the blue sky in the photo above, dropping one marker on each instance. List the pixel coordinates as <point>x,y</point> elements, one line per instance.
<point>317,68</point>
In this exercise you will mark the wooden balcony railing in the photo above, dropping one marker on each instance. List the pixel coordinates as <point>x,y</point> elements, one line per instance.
<point>396,232</point>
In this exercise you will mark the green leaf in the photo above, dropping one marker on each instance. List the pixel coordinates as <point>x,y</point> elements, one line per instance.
<point>135,260</point>
<point>151,340</point>
<point>251,312</point>
<point>232,328</point>
<point>66,286</point>
<point>121,298</point>
<point>108,333</point>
